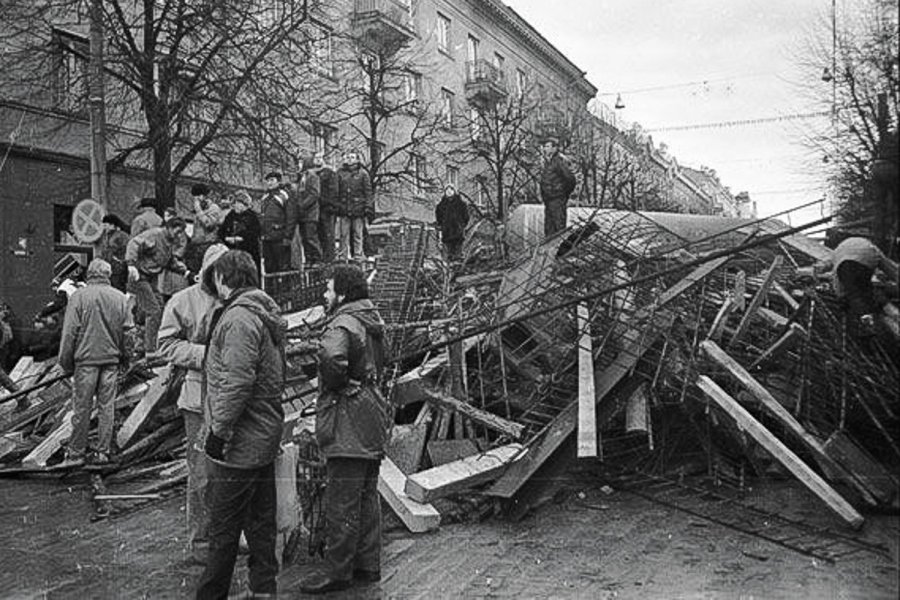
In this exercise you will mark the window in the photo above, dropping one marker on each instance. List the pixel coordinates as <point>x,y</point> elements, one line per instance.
<point>472,48</point>
<point>412,86</point>
<point>475,124</point>
<point>499,60</point>
<point>443,33</point>
<point>446,108</point>
<point>453,176</point>
<point>419,174</point>
<point>481,193</point>
<point>71,91</point>
<point>521,82</point>
<point>322,139</point>
<point>320,52</point>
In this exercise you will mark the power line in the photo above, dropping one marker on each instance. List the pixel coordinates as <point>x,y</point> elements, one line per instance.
<point>673,86</point>
<point>743,122</point>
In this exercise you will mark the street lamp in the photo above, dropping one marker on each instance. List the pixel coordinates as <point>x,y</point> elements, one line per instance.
<point>619,103</point>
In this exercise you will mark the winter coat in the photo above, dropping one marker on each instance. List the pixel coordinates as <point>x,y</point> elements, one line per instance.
<point>145,219</point>
<point>557,180</point>
<point>94,326</point>
<point>452,216</point>
<point>277,216</point>
<point>244,225</point>
<point>306,197</point>
<point>183,332</point>
<point>112,250</point>
<point>245,378</point>
<point>206,222</point>
<point>864,252</point>
<point>329,199</point>
<point>355,192</point>
<point>152,252</point>
<point>353,420</point>
<point>172,280</point>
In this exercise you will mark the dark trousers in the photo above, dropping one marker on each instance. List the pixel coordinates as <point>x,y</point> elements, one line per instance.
<point>147,299</point>
<point>856,279</point>
<point>277,256</point>
<point>453,249</point>
<point>309,235</point>
<point>240,500</point>
<point>352,517</point>
<point>554,216</point>
<point>326,235</point>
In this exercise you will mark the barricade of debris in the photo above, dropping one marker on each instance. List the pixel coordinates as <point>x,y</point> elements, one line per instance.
<point>654,344</point>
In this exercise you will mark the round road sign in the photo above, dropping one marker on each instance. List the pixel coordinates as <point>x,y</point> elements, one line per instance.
<point>87,221</point>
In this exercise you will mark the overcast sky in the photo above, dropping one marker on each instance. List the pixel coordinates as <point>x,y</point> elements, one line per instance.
<point>658,53</point>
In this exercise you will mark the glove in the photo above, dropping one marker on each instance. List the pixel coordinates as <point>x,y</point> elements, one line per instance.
<point>133,274</point>
<point>215,447</point>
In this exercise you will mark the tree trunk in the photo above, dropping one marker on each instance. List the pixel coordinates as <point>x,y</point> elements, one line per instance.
<point>164,183</point>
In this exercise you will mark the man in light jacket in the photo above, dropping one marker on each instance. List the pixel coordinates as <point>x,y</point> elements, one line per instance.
<point>353,424</point>
<point>244,381</point>
<point>92,348</point>
<point>182,340</point>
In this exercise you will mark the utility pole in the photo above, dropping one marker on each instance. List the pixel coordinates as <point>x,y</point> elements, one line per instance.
<point>97,100</point>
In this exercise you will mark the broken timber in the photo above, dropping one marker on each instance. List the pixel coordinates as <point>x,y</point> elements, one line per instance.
<point>635,345</point>
<point>757,300</point>
<point>145,408</point>
<point>417,517</point>
<point>482,417</point>
<point>782,344</point>
<point>47,448</point>
<point>460,475</point>
<point>780,452</point>
<point>409,386</point>
<point>587,407</point>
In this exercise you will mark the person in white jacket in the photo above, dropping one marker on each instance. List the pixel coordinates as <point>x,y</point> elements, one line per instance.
<point>183,333</point>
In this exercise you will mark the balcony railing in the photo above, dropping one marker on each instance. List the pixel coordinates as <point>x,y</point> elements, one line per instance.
<point>386,24</point>
<point>485,82</point>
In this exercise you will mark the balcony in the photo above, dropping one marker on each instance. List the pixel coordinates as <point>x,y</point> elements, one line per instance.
<point>383,26</point>
<point>485,83</point>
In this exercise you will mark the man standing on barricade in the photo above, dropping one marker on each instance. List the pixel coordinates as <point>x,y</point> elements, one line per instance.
<point>353,424</point>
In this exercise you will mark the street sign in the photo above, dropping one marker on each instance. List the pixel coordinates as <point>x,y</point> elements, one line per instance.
<point>87,221</point>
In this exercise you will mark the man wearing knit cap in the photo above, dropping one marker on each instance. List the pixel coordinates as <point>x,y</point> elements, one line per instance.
<point>92,348</point>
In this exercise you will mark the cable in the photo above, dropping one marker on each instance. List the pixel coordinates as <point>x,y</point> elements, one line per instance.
<point>743,122</point>
<point>681,85</point>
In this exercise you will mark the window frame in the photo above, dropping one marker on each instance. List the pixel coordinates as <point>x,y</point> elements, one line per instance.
<point>444,34</point>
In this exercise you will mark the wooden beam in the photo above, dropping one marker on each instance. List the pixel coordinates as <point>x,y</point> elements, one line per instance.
<point>780,452</point>
<point>871,475</point>
<point>635,345</point>
<point>587,405</point>
<point>786,296</point>
<point>782,344</point>
<point>409,387</point>
<point>482,417</point>
<point>757,300</point>
<point>459,475</point>
<point>718,325</point>
<point>417,517</point>
<point>145,408</point>
<point>41,454</point>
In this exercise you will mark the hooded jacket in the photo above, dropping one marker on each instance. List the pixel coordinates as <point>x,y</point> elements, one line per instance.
<point>355,192</point>
<point>245,378</point>
<point>94,327</point>
<point>352,418</point>
<point>184,330</point>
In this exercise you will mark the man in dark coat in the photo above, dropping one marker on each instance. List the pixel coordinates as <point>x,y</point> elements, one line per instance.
<point>355,193</point>
<point>307,198</point>
<point>240,230</point>
<point>452,216</point>
<point>244,369</point>
<point>277,220</point>
<point>329,209</point>
<point>557,183</point>
<point>353,424</point>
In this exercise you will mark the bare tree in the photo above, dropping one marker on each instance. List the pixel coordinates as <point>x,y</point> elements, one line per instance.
<point>194,71</point>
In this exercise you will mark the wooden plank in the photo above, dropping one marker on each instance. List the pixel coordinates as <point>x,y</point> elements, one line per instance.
<point>417,517</point>
<point>786,296</point>
<point>635,345</point>
<point>718,325</point>
<point>408,387</point>
<point>145,408</point>
<point>305,318</point>
<point>463,474</point>
<point>757,300</point>
<point>441,452</point>
<point>781,345</point>
<point>41,454</point>
<point>587,405</point>
<point>496,423</point>
<point>862,467</point>
<point>780,452</point>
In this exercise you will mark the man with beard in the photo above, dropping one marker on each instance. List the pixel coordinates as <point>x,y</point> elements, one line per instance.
<point>353,423</point>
